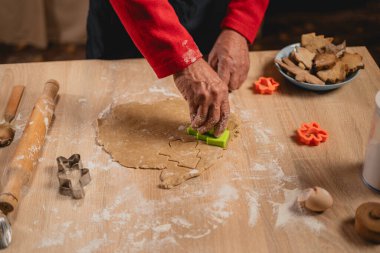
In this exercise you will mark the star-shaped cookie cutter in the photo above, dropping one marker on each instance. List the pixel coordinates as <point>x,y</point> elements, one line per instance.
<point>311,134</point>
<point>72,176</point>
<point>266,85</point>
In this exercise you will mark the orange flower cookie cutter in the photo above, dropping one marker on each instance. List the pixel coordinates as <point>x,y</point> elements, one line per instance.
<point>266,85</point>
<point>311,134</point>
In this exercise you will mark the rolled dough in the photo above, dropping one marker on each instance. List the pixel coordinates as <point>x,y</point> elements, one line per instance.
<point>153,136</point>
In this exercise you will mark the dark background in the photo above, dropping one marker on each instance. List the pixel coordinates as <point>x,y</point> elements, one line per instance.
<point>357,22</point>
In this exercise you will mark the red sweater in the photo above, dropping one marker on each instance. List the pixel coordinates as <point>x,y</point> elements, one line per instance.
<point>156,31</point>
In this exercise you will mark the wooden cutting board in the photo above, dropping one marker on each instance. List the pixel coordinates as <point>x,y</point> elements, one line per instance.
<point>244,204</point>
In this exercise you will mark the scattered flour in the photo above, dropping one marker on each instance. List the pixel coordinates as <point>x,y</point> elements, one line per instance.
<point>46,122</point>
<point>94,245</point>
<point>181,127</point>
<point>132,216</point>
<point>262,133</point>
<point>133,219</point>
<point>105,112</point>
<point>162,228</point>
<point>20,157</point>
<point>19,116</point>
<point>289,213</point>
<point>194,172</point>
<point>197,235</point>
<point>56,237</point>
<point>180,221</point>
<point>34,149</point>
<point>184,43</point>
<point>246,115</point>
<point>78,234</point>
<point>190,55</point>
<point>162,90</point>
<point>258,167</point>
<point>271,171</point>
<point>219,211</point>
<point>82,101</point>
<point>91,165</point>
<point>253,207</point>
<point>104,215</point>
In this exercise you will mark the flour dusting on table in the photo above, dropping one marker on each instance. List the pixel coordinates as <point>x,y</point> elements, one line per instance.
<point>93,245</point>
<point>252,198</point>
<point>57,237</point>
<point>162,90</point>
<point>131,217</point>
<point>289,212</point>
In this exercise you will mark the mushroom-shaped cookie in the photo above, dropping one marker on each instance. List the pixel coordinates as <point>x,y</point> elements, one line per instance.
<point>315,199</point>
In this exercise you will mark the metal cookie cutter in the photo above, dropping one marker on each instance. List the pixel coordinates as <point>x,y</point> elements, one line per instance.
<point>72,176</point>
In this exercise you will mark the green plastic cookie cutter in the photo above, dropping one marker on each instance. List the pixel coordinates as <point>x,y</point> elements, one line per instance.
<point>209,137</point>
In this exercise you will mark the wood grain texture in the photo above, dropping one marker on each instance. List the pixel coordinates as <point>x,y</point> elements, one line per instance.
<point>244,204</point>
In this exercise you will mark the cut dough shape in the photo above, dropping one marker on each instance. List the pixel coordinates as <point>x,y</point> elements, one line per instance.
<point>153,136</point>
<point>208,156</point>
<point>175,175</point>
<point>185,153</point>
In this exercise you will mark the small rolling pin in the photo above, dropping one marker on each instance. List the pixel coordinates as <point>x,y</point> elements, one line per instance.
<point>28,150</point>
<point>14,101</point>
<point>7,132</point>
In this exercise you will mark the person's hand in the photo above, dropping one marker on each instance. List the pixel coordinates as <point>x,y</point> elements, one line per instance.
<point>230,58</point>
<point>207,96</point>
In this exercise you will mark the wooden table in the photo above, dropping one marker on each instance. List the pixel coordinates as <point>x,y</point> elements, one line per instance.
<point>244,204</point>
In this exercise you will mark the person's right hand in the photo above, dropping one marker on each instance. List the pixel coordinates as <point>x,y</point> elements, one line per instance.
<point>207,96</point>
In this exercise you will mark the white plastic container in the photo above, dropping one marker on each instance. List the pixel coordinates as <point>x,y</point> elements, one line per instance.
<point>371,169</point>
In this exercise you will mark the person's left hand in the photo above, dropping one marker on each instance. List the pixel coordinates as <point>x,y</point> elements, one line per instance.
<point>230,59</point>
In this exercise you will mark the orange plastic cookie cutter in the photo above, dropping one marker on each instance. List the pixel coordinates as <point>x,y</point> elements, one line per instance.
<point>311,134</point>
<point>266,85</point>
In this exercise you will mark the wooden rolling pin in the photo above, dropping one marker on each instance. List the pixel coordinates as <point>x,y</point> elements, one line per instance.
<point>28,150</point>
<point>15,98</point>
<point>7,132</point>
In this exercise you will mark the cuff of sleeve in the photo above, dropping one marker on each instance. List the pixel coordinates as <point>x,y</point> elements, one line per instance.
<point>248,31</point>
<point>175,64</point>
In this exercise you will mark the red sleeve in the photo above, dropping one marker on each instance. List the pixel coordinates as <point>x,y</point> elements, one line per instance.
<point>245,17</point>
<point>156,31</point>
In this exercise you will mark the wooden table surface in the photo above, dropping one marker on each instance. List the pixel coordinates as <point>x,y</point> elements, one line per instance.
<point>244,204</point>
